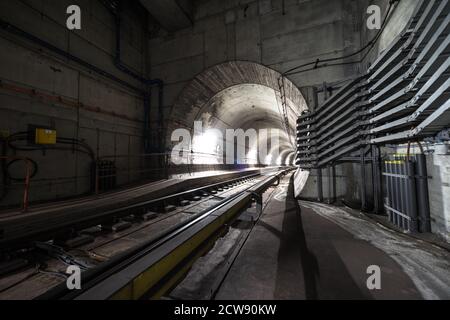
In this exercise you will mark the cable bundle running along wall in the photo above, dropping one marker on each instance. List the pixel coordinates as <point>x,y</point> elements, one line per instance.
<point>403,97</point>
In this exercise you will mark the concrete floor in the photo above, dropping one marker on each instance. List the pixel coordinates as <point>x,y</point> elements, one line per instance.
<point>301,250</point>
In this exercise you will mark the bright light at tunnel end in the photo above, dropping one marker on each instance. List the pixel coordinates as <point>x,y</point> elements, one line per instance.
<point>233,146</point>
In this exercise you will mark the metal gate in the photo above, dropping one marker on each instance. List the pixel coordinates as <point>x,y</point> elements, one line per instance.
<point>406,192</point>
<point>104,175</point>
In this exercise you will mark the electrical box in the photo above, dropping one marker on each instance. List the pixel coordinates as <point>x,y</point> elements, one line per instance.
<point>45,136</point>
<point>4,134</point>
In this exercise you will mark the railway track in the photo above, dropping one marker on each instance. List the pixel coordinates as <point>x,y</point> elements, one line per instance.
<point>64,220</point>
<point>164,236</point>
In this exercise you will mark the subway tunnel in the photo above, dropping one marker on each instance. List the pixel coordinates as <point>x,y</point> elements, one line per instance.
<point>238,95</point>
<point>207,150</point>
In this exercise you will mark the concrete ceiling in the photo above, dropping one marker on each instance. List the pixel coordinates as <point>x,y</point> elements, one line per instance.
<point>173,15</point>
<point>211,82</point>
<point>242,107</point>
<point>236,95</point>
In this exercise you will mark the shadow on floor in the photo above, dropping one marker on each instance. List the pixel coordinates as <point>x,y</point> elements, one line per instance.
<point>301,243</point>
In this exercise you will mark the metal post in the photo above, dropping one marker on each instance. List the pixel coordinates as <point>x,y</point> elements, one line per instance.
<point>166,165</point>
<point>325,91</point>
<point>401,194</point>
<point>27,185</point>
<point>397,190</point>
<point>331,184</point>
<point>376,176</point>
<point>422,193</point>
<point>97,177</point>
<point>387,169</point>
<point>402,198</point>
<point>330,200</point>
<point>395,186</point>
<point>258,200</point>
<point>411,195</point>
<point>363,181</point>
<point>319,185</point>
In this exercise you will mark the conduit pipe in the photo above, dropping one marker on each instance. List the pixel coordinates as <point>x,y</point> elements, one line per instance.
<point>117,62</point>
<point>28,164</point>
<point>147,82</point>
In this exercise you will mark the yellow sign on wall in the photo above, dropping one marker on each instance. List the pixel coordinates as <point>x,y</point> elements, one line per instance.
<point>45,136</point>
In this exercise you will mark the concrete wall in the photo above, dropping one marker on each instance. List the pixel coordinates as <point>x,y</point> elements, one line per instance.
<point>260,32</point>
<point>310,190</point>
<point>109,117</point>
<point>350,176</point>
<point>396,23</point>
<point>265,33</point>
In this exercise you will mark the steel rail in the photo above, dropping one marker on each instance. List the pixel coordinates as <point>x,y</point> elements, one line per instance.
<point>152,268</point>
<point>49,230</point>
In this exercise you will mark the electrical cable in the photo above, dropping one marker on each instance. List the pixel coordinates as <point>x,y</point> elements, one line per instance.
<point>59,253</point>
<point>370,45</point>
<point>53,273</point>
<point>23,136</point>
<point>32,175</point>
<point>77,146</point>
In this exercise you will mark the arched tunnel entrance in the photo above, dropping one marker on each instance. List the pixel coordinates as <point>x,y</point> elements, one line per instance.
<point>244,98</point>
<point>144,156</point>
